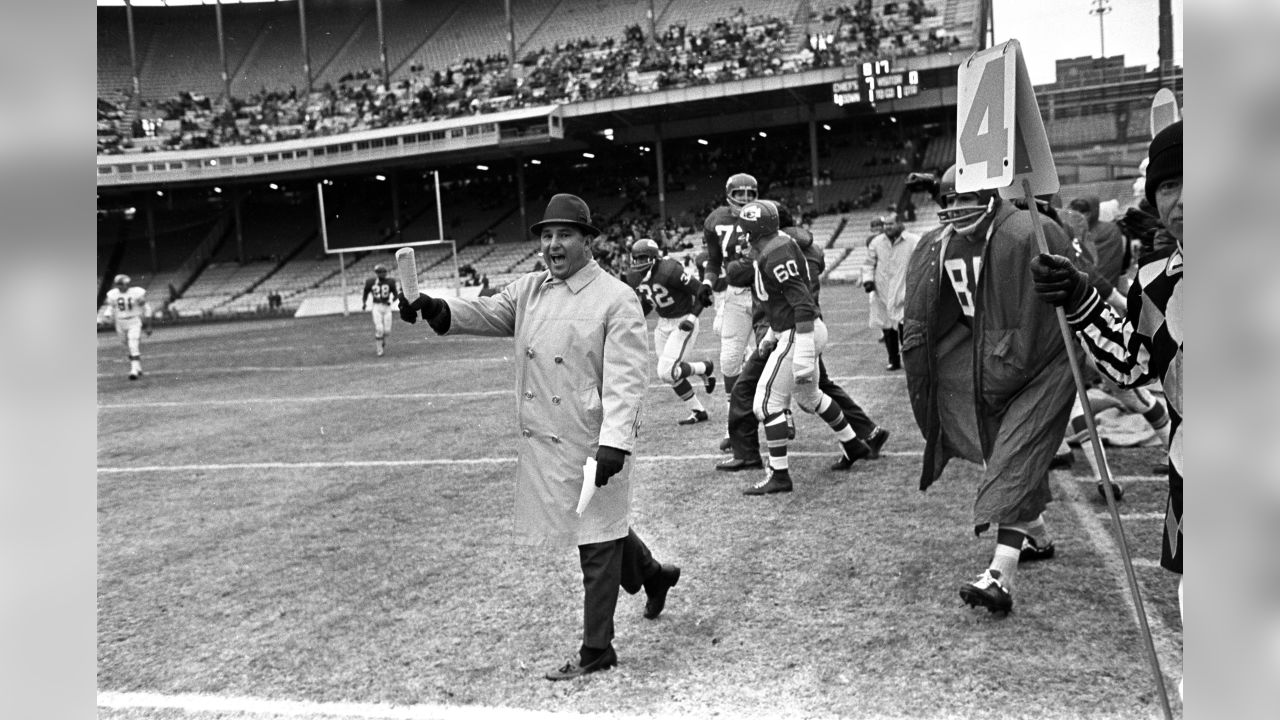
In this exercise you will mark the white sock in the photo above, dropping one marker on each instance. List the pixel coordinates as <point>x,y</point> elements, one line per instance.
<point>1005,560</point>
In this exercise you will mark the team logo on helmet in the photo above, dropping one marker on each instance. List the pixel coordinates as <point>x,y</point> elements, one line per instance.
<point>758,220</point>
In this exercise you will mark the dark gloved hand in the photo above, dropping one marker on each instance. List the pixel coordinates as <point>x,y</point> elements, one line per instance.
<point>426,305</point>
<point>686,325</point>
<point>609,462</point>
<point>869,286</point>
<point>1138,225</point>
<point>1058,282</point>
<point>704,295</point>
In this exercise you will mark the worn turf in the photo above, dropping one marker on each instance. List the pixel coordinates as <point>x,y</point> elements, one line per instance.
<point>272,525</point>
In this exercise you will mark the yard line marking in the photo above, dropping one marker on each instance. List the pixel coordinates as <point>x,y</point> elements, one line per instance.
<point>1168,644</point>
<point>202,703</point>
<point>1124,479</point>
<point>439,462</point>
<point>1135,516</point>
<point>301,399</point>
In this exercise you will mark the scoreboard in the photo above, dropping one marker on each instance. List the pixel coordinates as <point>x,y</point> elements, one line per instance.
<point>878,83</point>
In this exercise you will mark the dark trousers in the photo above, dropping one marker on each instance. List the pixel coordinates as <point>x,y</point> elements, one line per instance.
<point>743,425</point>
<point>606,566</point>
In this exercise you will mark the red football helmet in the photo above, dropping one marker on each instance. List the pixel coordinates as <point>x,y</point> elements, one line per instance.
<point>741,189</point>
<point>644,253</point>
<point>758,220</point>
<point>964,211</point>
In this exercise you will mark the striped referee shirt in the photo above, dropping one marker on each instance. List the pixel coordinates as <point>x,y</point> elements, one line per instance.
<point>1146,344</point>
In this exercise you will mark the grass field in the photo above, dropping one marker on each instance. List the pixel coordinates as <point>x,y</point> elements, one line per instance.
<point>289,526</point>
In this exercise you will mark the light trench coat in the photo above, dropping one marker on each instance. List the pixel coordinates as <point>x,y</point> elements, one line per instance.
<point>886,264</point>
<point>581,360</point>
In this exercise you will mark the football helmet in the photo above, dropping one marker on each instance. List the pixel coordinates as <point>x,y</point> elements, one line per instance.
<point>758,220</point>
<point>122,280</point>
<point>380,270</point>
<point>964,211</point>
<point>644,253</point>
<point>741,189</point>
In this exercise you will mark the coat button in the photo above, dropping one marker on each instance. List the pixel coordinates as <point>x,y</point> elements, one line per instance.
<point>559,360</point>
<point>528,394</point>
<point>525,432</point>
<point>555,399</point>
<point>530,352</point>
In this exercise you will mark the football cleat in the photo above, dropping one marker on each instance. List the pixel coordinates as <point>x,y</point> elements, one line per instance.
<point>1116,488</point>
<point>709,380</point>
<point>1032,552</point>
<point>877,440</point>
<point>134,375</point>
<point>775,481</point>
<point>987,591</point>
<point>696,416</point>
<point>735,464</point>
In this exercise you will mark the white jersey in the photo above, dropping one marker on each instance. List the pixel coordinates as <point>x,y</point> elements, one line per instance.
<point>127,306</point>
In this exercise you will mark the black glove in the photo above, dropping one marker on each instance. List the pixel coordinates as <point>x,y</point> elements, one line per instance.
<point>869,286</point>
<point>609,462</point>
<point>704,295</point>
<point>1058,282</point>
<point>686,325</point>
<point>1138,225</point>
<point>428,306</point>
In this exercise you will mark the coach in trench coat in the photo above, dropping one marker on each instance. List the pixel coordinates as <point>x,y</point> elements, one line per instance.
<point>582,367</point>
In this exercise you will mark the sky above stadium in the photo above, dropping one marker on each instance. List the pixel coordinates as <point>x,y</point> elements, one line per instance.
<point>1053,29</point>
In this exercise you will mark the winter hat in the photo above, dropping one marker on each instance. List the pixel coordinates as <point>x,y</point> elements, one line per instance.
<point>566,209</point>
<point>1165,159</point>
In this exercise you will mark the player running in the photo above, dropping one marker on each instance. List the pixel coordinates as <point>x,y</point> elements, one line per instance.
<point>662,284</point>
<point>383,291</point>
<point>782,287</point>
<point>129,308</point>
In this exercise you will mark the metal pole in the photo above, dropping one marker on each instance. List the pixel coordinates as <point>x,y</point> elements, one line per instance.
<point>1069,340</point>
<point>511,33</point>
<point>662,180</point>
<point>524,215</point>
<point>653,24</point>
<point>813,158</point>
<point>306,53</point>
<point>222,55</point>
<point>324,234</point>
<point>382,49</point>
<point>439,208</point>
<point>133,54</point>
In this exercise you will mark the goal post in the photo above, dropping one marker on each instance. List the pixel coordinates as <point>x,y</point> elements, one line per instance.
<point>450,288</point>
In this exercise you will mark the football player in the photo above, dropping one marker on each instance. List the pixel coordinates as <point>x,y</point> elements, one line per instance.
<point>128,307</point>
<point>728,276</point>
<point>782,286</point>
<point>987,371</point>
<point>382,289</point>
<point>663,285</point>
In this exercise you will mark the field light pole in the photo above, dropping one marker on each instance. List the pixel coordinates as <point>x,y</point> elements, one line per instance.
<point>1073,359</point>
<point>1100,8</point>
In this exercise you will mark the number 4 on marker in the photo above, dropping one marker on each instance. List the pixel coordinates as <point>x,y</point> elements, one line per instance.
<point>984,136</point>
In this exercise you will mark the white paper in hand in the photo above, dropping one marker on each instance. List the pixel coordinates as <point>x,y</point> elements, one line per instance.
<point>588,484</point>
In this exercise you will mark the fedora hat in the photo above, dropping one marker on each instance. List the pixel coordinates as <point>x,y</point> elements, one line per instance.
<point>566,209</point>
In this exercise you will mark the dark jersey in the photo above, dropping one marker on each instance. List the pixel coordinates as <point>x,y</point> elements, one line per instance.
<point>666,287</point>
<point>782,285</point>
<point>726,246</point>
<point>961,265</point>
<point>383,290</point>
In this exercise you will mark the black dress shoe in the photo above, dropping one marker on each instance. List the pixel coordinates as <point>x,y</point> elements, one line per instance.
<point>736,464</point>
<point>574,668</point>
<point>656,588</point>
